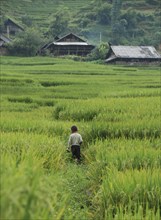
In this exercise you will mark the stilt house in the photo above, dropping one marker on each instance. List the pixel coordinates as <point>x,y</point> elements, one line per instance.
<point>70,44</point>
<point>132,54</point>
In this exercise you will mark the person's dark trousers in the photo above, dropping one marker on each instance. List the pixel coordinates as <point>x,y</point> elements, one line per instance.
<point>76,151</point>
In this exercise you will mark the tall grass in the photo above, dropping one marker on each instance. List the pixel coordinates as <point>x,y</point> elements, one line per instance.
<point>128,192</point>
<point>36,184</point>
<point>117,111</point>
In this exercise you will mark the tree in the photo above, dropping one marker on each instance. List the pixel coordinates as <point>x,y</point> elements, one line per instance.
<point>104,14</point>
<point>115,11</point>
<point>99,53</point>
<point>59,22</point>
<point>115,16</point>
<point>152,2</point>
<point>155,40</point>
<point>27,20</point>
<point>26,43</point>
<point>2,20</point>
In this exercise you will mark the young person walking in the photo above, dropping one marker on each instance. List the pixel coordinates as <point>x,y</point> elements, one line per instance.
<point>74,143</point>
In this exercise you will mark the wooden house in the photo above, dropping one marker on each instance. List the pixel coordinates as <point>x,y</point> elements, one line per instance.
<point>132,54</point>
<point>12,28</point>
<point>3,41</point>
<point>69,44</point>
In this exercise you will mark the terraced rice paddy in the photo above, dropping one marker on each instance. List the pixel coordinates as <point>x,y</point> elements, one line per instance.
<point>117,111</point>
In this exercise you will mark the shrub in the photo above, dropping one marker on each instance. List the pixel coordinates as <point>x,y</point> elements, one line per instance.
<point>26,43</point>
<point>99,53</point>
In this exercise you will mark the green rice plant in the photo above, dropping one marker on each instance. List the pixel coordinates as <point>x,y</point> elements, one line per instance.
<point>50,150</point>
<point>127,130</point>
<point>28,194</point>
<point>117,111</point>
<point>121,121</point>
<point>125,154</point>
<point>48,83</point>
<point>137,188</point>
<point>109,109</point>
<point>136,213</point>
<point>21,99</point>
<point>28,100</point>
<point>33,164</point>
<point>42,186</point>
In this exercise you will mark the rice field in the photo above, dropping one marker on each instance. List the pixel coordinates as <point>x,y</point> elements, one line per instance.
<point>117,111</point>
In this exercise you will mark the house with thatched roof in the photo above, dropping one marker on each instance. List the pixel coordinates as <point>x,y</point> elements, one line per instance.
<point>69,44</point>
<point>132,54</point>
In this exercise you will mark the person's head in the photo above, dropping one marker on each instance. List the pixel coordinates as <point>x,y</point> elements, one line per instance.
<point>74,129</point>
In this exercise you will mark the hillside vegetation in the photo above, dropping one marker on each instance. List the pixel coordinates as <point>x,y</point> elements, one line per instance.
<point>121,22</point>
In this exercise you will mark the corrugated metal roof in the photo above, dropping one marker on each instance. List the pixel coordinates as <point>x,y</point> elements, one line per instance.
<point>135,52</point>
<point>113,57</point>
<point>71,43</point>
<point>70,34</point>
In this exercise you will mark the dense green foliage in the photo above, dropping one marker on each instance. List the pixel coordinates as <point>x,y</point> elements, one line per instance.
<point>119,21</point>
<point>26,43</point>
<point>117,111</point>
<point>99,52</point>
<point>59,22</point>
